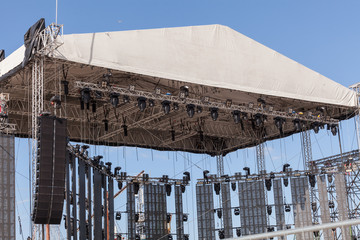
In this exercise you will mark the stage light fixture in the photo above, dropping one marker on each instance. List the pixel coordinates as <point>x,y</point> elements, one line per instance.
<point>228,103</point>
<point>126,99</point>
<point>137,216</point>
<point>116,171</point>
<point>136,187</point>
<point>55,101</point>
<point>315,126</point>
<point>120,185</point>
<point>279,122</point>
<point>168,189</point>
<point>176,106</point>
<point>151,103</point>
<point>214,112</point>
<point>185,217</point>
<point>166,106</point>
<point>268,184</point>
<point>297,125</point>
<point>238,232</point>
<point>236,211</point>
<point>118,216</point>
<point>269,210</point>
<point>287,208</point>
<point>183,188</point>
<point>285,167</point>
<point>221,234</point>
<point>190,109</point>
<point>199,109</point>
<point>286,182</point>
<point>312,180</point>
<point>217,187</point>
<point>219,213</point>
<point>119,236</point>
<point>313,206</point>
<point>233,186</point>
<point>334,129</point>
<point>236,115</point>
<point>170,237</point>
<point>85,95</point>
<point>187,175</point>
<point>184,92</point>
<point>205,175</point>
<point>186,237</point>
<point>141,103</point>
<point>259,120</point>
<point>114,99</point>
<point>168,218</point>
<point>137,237</point>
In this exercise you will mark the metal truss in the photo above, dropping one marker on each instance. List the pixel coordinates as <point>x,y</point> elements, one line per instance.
<point>204,103</point>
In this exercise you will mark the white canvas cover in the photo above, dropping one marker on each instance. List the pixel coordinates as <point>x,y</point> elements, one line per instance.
<point>212,55</point>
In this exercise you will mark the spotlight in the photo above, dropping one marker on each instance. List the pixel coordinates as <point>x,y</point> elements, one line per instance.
<point>268,184</point>
<point>236,115</point>
<point>168,218</point>
<point>85,95</point>
<point>285,167</point>
<point>136,187</point>
<point>118,216</point>
<point>190,109</point>
<point>141,103</point>
<point>228,103</point>
<point>185,217</point>
<point>168,189</point>
<point>217,188</point>
<point>315,126</point>
<point>238,232</point>
<point>55,101</point>
<point>170,237</point>
<point>221,234</point>
<point>199,109</point>
<point>297,125</point>
<point>233,186</point>
<point>117,170</point>
<point>183,188</point>
<point>166,106</point>
<point>187,175</point>
<point>214,112</point>
<point>151,103</point>
<point>66,87</point>
<point>184,92</point>
<point>219,213</point>
<point>286,182</point>
<point>176,106</point>
<point>279,122</point>
<point>126,99</point>
<point>114,99</point>
<point>312,180</point>
<point>334,129</point>
<point>269,210</point>
<point>186,237</point>
<point>287,208</point>
<point>259,120</point>
<point>236,211</point>
<point>137,216</point>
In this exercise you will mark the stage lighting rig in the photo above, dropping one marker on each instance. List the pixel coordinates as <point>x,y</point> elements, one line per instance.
<point>190,109</point>
<point>114,99</point>
<point>141,103</point>
<point>166,106</point>
<point>214,112</point>
<point>96,160</point>
<point>83,149</point>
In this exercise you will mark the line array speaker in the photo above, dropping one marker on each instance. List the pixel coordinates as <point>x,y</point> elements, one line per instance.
<point>50,171</point>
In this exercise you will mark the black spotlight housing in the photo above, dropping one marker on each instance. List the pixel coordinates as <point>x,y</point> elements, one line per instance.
<point>315,126</point>
<point>166,106</point>
<point>126,99</point>
<point>297,125</point>
<point>190,109</point>
<point>114,99</point>
<point>141,103</point>
<point>236,116</point>
<point>176,106</point>
<point>85,95</point>
<point>259,120</point>
<point>151,103</point>
<point>168,189</point>
<point>199,109</point>
<point>334,129</point>
<point>214,112</point>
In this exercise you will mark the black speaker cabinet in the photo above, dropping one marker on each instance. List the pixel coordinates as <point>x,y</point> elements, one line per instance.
<point>50,171</point>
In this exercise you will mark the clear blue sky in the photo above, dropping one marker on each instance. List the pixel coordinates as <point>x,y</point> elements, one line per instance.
<point>323,35</point>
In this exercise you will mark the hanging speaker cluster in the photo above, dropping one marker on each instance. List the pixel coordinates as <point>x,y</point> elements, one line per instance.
<point>50,171</point>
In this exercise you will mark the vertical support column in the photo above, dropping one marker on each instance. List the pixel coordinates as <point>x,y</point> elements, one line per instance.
<point>105,206</point>
<point>179,213</point>
<point>73,193</point>
<point>89,218</point>
<point>205,212</point>
<point>81,179</point>
<point>67,196</point>
<point>279,205</point>
<point>130,209</point>
<point>226,206</point>
<point>111,207</point>
<point>97,205</point>
<point>341,198</point>
<point>324,205</point>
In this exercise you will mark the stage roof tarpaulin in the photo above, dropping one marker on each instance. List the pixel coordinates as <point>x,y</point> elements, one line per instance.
<point>216,58</point>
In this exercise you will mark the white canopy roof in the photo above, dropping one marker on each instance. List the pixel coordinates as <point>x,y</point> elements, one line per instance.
<point>211,55</point>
